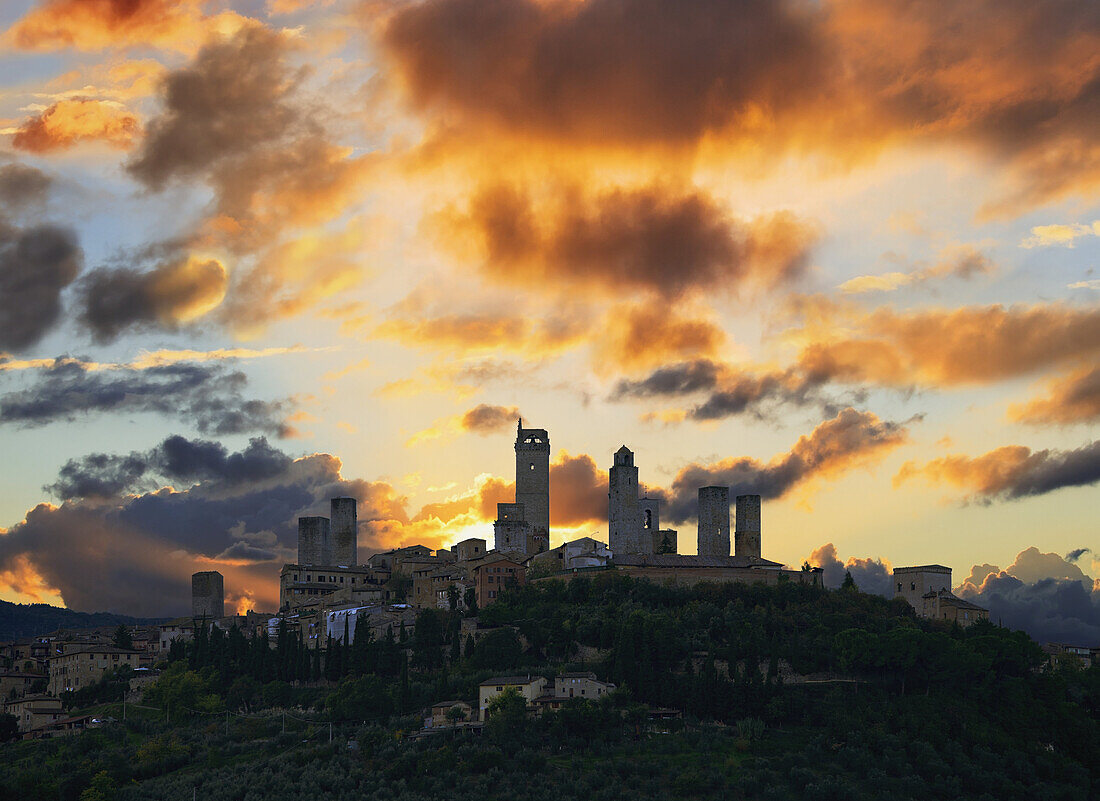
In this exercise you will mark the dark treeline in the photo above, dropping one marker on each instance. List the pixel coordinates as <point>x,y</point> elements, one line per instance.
<point>786,690</point>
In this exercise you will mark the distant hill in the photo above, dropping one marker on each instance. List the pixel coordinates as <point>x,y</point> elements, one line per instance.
<point>30,620</point>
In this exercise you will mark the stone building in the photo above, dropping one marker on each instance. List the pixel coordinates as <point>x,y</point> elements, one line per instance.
<point>927,588</point>
<point>494,574</point>
<point>912,583</point>
<point>580,685</point>
<point>511,531</point>
<point>528,687</point>
<point>300,585</point>
<point>207,594</point>
<point>35,711</point>
<point>714,521</point>
<point>944,606</point>
<point>686,570</point>
<point>81,667</point>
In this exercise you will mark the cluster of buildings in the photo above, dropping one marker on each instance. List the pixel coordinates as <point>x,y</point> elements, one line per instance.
<point>328,591</point>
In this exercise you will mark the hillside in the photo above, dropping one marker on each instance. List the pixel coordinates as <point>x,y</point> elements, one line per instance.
<point>30,620</point>
<point>787,691</point>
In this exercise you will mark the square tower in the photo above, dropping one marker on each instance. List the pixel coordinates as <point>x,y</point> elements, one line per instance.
<point>208,595</point>
<point>911,583</point>
<point>344,531</point>
<point>314,547</point>
<point>746,538</point>
<point>714,521</point>
<point>511,533</point>
<point>623,514</point>
<point>533,479</point>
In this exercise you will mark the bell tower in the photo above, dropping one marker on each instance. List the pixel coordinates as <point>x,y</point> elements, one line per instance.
<point>533,480</point>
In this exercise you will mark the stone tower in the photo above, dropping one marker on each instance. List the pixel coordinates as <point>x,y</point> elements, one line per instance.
<point>533,479</point>
<point>714,521</point>
<point>344,532</point>
<point>747,534</point>
<point>511,532</point>
<point>314,546</point>
<point>624,518</point>
<point>208,595</point>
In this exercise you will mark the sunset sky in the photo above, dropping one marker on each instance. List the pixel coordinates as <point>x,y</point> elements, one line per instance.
<point>843,254</point>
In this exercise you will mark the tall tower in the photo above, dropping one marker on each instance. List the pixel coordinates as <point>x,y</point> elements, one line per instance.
<point>624,519</point>
<point>344,531</point>
<point>207,595</point>
<point>747,534</point>
<point>714,521</point>
<point>314,546</point>
<point>533,479</point>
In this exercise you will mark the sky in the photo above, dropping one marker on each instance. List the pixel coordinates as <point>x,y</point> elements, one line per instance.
<point>841,254</point>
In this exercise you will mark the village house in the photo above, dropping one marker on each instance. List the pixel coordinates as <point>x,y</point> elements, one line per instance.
<point>34,711</point>
<point>84,666</point>
<point>528,687</point>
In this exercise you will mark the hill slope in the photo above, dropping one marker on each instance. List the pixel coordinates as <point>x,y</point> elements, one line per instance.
<point>30,620</point>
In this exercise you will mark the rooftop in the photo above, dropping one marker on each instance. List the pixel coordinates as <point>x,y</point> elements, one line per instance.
<point>496,680</point>
<point>691,561</point>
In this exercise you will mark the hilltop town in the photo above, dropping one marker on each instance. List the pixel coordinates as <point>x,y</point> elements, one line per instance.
<point>329,597</point>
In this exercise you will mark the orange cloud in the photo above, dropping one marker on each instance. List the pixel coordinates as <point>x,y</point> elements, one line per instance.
<point>1074,398</point>
<point>98,24</point>
<point>485,331</point>
<point>69,122</point>
<point>849,440</point>
<point>960,262</point>
<point>935,347</point>
<point>756,82</point>
<point>639,336</point>
<point>482,419</point>
<point>624,240</point>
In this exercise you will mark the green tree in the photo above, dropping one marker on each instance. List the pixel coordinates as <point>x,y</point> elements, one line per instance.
<point>507,718</point>
<point>849,582</point>
<point>9,727</point>
<point>102,788</point>
<point>122,637</point>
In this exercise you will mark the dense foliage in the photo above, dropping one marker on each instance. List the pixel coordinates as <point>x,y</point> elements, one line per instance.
<point>786,691</point>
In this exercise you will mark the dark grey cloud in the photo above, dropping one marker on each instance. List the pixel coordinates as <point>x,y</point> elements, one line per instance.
<point>207,395</point>
<point>1053,470</point>
<point>231,99</point>
<point>36,264</point>
<point>730,392</point>
<point>1049,610</point>
<point>871,575</point>
<point>176,459</point>
<point>135,553</point>
<point>850,438</point>
<point>115,300</point>
<point>671,380</point>
<point>1077,553</point>
<point>22,186</point>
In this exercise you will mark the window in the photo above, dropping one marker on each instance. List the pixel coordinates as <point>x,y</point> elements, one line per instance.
<point>532,465</point>
<point>899,586</point>
<point>912,585</point>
